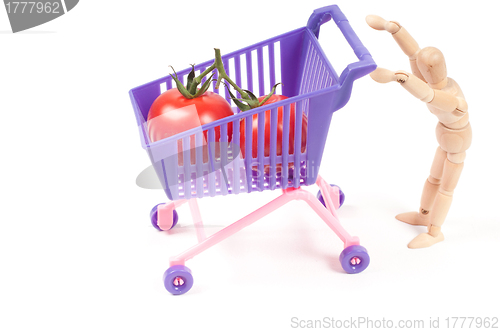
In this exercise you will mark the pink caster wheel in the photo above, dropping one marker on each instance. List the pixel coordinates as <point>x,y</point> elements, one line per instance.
<point>341,198</point>
<point>154,218</point>
<point>354,259</point>
<point>178,279</point>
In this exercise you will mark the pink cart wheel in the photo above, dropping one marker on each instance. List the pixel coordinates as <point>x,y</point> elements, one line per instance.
<point>178,279</point>
<point>154,218</point>
<point>341,198</point>
<point>354,259</point>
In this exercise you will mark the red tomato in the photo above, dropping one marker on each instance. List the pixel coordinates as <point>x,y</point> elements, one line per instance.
<point>267,131</point>
<point>172,113</point>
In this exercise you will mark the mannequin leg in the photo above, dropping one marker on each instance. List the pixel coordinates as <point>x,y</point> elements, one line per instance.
<point>442,203</point>
<point>429,192</point>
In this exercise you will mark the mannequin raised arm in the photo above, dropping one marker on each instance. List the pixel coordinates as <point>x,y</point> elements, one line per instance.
<point>418,88</point>
<point>405,41</point>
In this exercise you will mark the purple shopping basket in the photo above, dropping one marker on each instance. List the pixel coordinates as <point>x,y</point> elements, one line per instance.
<point>308,80</point>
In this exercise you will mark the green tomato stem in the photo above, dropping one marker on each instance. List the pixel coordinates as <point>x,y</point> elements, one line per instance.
<point>205,73</point>
<point>223,75</point>
<point>193,92</point>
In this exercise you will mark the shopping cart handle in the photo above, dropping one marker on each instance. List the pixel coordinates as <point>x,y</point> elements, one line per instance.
<point>354,70</point>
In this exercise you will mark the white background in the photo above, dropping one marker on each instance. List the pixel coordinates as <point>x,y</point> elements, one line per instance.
<point>78,253</point>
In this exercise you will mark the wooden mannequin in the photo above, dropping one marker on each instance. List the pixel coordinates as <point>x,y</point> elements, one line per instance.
<point>430,84</point>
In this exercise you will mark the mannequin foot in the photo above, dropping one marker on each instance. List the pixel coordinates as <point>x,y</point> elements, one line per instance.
<point>425,240</point>
<point>413,218</point>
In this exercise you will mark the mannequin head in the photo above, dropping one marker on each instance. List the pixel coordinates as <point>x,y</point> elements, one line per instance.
<point>430,62</point>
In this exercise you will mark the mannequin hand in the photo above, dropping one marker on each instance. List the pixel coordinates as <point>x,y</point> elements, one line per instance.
<point>378,23</point>
<point>382,75</point>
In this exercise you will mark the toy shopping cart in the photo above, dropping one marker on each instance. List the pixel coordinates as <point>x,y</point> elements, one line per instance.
<point>216,164</point>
